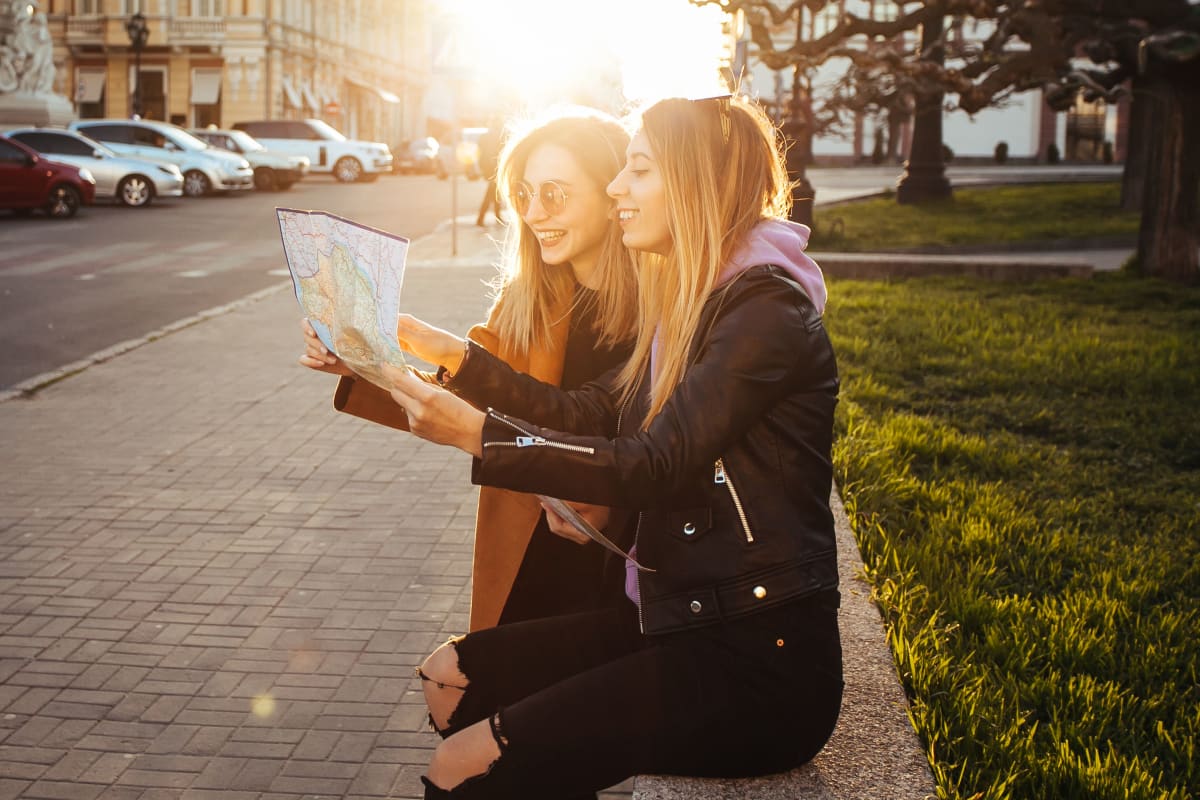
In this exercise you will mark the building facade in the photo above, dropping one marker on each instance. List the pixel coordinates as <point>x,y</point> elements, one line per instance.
<point>360,65</point>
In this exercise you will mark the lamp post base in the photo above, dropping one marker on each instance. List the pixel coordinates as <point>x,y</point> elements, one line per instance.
<point>922,182</point>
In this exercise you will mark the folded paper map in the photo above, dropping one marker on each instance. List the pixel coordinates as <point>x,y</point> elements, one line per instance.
<point>347,278</point>
<point>580,524</point>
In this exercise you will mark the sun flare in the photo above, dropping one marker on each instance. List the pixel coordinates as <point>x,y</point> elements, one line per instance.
<point>538,52</point>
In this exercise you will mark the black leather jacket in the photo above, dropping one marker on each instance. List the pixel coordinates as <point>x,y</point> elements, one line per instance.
<point>732,479</point>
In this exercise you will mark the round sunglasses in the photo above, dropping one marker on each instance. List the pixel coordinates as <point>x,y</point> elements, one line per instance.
<point>551,195</point>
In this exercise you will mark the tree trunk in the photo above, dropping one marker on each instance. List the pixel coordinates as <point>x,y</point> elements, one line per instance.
<point>924,178</point>
<point>1168,237</point>
<point>1133,176</point>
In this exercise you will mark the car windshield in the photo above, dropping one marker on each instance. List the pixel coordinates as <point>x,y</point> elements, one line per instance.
<point>326,131</point>
<point>245,141</point>
<point>92,143</point>
<point>185,140</point>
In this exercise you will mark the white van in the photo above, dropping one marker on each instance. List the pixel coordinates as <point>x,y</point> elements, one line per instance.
<point>205,169</point>
<point>327,149</point>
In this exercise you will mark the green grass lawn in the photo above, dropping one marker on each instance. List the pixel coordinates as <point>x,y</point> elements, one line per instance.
<point>1023,213</point>
<point>1021,465</point>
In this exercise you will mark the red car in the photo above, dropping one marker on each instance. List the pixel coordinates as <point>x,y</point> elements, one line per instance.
<point>29,180</point>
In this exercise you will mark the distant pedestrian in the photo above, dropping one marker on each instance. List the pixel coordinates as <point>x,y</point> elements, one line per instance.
<point>489,157</point>
<point>564,313</point>
<point>726,661</point>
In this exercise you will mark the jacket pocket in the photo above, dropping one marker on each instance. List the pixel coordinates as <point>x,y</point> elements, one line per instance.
<point>688,525</point>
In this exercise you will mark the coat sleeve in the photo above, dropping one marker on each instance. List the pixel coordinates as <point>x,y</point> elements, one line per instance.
<point>767,343</point>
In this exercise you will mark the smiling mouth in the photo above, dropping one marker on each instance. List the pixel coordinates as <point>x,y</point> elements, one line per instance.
<point>625,214</point>
<point>550,237</point>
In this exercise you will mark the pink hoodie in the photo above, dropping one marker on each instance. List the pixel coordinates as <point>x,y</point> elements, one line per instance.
<point>779,242</point>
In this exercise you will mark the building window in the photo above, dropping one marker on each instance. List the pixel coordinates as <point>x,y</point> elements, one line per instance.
<point>884,10</point>
<point>134,6</point>
<point>208,8</point>
<point>87,8</point>
<point>89,93</point>
<point>206,97</point>
<point>826,20</point>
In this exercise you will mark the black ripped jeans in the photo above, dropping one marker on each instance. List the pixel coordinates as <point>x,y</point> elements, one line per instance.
<point>579,703</point>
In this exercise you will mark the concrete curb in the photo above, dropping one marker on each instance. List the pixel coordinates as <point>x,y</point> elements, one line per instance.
<point>30,385</point>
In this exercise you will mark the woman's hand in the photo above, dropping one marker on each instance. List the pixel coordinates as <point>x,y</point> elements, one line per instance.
<point>597,515</point>
<point>317,356</point>
<point>435,414</point>
<point>429,343</point>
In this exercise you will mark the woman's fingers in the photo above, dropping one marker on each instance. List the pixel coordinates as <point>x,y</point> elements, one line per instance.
<point>435,414</point>
<point>317,356</point>
<point>560,527</point>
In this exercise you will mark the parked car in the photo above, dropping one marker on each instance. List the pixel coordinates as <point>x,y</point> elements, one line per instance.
<point>417,156</point>
<point>131,181</point>
<point>205,169</point>
<point>29,180</point>
<point>327,149</point>
<point>273,171</point>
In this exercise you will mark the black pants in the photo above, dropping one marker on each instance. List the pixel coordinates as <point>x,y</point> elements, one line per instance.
<point>579,703</point>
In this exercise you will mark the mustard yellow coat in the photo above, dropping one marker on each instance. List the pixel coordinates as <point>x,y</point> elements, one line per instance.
<point>504,520</point>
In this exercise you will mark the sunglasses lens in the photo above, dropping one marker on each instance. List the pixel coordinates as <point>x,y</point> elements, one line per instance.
<point>553,198</point>
<point>521,197</point>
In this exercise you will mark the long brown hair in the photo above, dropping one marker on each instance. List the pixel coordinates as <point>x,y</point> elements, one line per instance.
<point>723,173</point>
<point>530,295</point>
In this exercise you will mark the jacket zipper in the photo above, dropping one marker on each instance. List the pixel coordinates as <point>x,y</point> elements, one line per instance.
<point>533,440</point>
<point>721,475</point>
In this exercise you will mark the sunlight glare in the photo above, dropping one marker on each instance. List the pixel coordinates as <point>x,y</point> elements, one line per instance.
<point>534,52</point>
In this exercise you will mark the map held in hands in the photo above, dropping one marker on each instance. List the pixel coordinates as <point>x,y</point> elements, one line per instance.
<point>347,278</point>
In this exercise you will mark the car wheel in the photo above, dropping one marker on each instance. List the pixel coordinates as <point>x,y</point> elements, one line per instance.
<point>135,191</point>
<point>64,201</point>
<point>265,180</point>
<point>347,169</point>
<point>196,183</point>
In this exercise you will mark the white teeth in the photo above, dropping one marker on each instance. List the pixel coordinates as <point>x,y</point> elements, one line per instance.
<point>625,215</point>
<point>550,236</point>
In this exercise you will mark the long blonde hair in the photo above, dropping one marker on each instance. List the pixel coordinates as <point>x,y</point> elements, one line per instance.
<point>530,296</point>
<point>723,173</point>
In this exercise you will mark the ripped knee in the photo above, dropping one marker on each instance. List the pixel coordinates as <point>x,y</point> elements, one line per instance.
<point>468,756</point>
<point>443,683</point>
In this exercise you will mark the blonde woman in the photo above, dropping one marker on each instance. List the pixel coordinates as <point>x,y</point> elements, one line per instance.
<point>564,312</point>
<point>726,660</point>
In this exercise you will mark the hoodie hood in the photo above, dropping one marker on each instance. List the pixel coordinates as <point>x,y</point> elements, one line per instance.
<point>779,242</point>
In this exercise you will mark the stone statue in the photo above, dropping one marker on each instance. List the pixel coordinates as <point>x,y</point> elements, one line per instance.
<point>26,51</point>
<point>27,68</point>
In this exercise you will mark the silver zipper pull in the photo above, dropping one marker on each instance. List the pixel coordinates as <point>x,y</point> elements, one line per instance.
<point>529,441</point>
<point>719,474</point>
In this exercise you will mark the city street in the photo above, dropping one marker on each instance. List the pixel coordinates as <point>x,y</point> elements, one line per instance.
<point>70,288</point>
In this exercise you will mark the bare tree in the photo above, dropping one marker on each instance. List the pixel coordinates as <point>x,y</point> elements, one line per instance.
<point>1099,47</point>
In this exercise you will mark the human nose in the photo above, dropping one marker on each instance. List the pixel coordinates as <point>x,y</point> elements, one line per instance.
<point>616,187</point>
<point>535,210</point>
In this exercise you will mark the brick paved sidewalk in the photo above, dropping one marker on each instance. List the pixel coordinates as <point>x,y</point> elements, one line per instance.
<point>212,584</point>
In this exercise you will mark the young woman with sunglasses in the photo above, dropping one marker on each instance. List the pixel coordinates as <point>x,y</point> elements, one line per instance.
<point>727,660</point>
<point>564,312</point>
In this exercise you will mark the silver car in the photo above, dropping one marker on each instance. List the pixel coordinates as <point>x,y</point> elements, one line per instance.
<point>131,181</point>
<point>205,169</point>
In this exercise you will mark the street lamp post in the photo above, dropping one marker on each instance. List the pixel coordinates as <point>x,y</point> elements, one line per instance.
<point>138,32</point>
